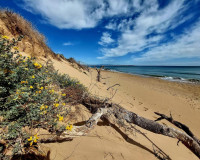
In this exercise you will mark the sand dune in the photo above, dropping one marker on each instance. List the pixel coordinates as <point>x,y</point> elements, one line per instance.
<point>142,95</point>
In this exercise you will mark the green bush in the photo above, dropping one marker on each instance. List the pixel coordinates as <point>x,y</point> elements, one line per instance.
<point>30,97</point>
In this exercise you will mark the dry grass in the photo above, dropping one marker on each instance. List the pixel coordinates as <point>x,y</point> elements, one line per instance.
<point>74,95</point>
<point>17,25</point>
<point>80,66</point>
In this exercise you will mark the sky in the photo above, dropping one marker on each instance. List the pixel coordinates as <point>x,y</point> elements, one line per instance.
<point>128,32</point>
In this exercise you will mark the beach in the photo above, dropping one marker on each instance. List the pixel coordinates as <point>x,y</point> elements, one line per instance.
<point>142,95</point>
<point>100,80</point>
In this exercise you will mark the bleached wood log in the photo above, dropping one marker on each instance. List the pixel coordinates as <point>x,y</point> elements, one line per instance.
<point>150,125</point>
<point>105,110</point>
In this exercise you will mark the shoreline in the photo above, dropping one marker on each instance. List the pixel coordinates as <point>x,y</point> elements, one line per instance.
<point>165,78</point>
<point>152,90</point>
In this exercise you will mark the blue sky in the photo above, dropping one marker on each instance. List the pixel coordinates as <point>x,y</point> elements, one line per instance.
<point>138,32</point>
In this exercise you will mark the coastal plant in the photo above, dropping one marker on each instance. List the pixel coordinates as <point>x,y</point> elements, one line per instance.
<point>31,98</point>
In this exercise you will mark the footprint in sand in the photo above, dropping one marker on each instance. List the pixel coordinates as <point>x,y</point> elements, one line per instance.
<point>140,103</point>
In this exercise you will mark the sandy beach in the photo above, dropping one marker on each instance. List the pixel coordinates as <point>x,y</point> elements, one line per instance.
<point>142,95</point>
<point>51,116</point>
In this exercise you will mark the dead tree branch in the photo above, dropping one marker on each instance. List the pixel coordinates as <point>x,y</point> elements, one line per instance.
<point>158,128</point>
<point>150,125</point>
<point>109,111</point>
<point>113,86</point>
<point>77,131</point>
<point>177,124</point>
<point>99,73</point>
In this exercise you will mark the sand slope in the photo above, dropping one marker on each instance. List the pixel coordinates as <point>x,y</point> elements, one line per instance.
<point>143,96</point>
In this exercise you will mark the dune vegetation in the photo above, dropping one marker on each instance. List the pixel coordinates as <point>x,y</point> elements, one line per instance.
<point>32,96</point>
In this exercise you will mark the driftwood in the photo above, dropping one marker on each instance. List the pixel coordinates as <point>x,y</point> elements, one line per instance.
<point>99,73</point>
<point>77,131</point>
<point>108,111</point>
<point>113,86</point>
<point>150,125</point>
<point>177,124</point>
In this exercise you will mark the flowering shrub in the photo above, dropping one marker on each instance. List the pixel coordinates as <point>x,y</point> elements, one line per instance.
<point>30,97</point>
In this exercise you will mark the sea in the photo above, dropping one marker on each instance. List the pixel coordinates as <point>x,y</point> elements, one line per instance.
<point>190,74</point>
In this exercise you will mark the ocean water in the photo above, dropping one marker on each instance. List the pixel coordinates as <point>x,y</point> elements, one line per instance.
<point>171,73</point>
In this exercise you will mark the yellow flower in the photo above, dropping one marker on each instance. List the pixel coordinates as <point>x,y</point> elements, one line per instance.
<point>39,91</point>
<point>33,139</point>
<point>22,82</point>
<point>31,143</point>
<point>15,48</point>
<point>60,118</point>
<point>51,91</point>
<point>36,92</point>
<point>41,88</point>
<point>36,137</point>
<point>30,139</point>
<point>5,37</point>
<point>46,71</point>
<point>41,107</point>
<point>69,127</point>
<point>63,94</point>
<point>63,104</point>
<point>56,104</point>
<point>33,76</point>
<point>38,66</point>
<point>31,87</point>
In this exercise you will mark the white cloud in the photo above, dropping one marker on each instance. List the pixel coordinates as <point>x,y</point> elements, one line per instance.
<point>125,24</point>
<point>142,24</point>
<point>77,14</point>
<point>68,44</point>
<point>184,46</point>
<point>106,39</point>
<point>136,34</point>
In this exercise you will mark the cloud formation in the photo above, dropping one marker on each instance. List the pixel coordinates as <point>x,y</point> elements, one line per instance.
<point>68,44</point>
<point>136,33</point>
<point>106,39</point>
<point>184,46</point>
<point>150,33</point>
<point>77,14</point>
<point>142,28</point>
